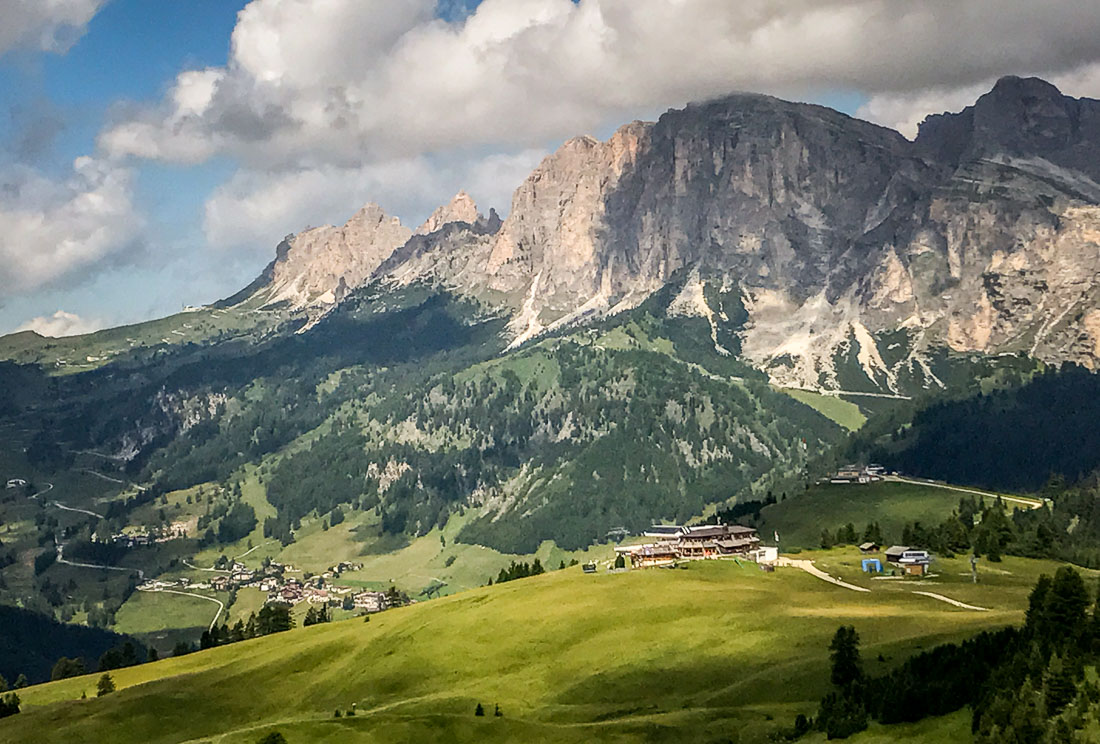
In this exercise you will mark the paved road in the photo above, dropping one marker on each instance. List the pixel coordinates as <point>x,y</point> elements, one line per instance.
<point>59,505</point>
<point>221,605</point>
<point>61,559</point>
<point>49,487</point>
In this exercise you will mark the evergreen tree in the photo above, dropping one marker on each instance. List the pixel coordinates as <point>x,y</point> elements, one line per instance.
<point>844,655</point>
<point>1059,687</point>
<point>9,705</point>
<point>1066,606</point>
<point>479,710</point>
<point>105,685</point>
<point>21,681</point>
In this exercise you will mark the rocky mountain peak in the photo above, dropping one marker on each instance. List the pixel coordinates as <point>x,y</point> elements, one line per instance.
<point>1021,119</point>
<point>460,209</point>
<point>317,267</point>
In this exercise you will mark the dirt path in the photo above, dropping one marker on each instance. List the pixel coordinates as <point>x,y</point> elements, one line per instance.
<point>1029,503</point>
<point>950,601</point>
<point>189,564</point>
<point>813,570</point>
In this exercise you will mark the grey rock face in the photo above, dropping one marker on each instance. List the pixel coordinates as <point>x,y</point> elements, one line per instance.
<point>840,236</point>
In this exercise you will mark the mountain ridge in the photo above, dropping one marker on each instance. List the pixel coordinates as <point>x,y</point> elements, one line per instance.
<point>834,231</point>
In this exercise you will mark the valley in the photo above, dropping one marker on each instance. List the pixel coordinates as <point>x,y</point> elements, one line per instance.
<point>389,476</point>
<point>715,652</point>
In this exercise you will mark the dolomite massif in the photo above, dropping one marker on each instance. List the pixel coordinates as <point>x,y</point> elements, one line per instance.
<point>841,239</point>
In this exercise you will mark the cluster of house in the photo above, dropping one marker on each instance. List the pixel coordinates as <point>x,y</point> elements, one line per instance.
<point>910,561</point>
<point>672,543</point>
<point>291,590</point>
<point>858,474</point>
<point>16,483</point>
<point>174,531</point>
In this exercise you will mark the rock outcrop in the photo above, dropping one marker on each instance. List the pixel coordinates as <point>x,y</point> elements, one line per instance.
<point>316,268</point>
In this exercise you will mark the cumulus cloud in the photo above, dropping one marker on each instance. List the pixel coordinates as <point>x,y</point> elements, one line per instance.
<point>61,324</point>
<point>341,82</point>
<point>256,208</point>
<point>55,232</point>
<point>44,25</point>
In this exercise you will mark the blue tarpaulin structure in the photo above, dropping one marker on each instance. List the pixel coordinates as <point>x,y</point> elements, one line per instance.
<point>872,565</point>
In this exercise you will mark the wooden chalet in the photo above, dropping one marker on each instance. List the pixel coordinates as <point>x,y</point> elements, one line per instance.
<point>674,543</point>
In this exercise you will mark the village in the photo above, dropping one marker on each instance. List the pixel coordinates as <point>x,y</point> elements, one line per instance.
<point>280,588</point>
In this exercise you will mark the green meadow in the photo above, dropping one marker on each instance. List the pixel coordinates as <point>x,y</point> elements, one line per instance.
<point>800,519</point>
<point>716,651</point>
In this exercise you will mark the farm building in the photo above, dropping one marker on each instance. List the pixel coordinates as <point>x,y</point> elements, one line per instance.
<point>869,547</point>
<point>16,483</point>
<point>912,561</point>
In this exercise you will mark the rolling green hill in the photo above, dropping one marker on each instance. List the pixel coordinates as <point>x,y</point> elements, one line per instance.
<point>800,518</point>
<point>714,652</point>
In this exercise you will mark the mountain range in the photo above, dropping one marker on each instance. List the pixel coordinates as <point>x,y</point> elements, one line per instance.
<point>690,313</point>
<point>836,236</point>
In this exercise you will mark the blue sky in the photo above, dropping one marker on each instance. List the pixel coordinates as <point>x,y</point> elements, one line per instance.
<point>145,163</point>
<point>131,52</point>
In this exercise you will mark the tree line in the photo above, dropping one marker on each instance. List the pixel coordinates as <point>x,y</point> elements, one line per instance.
<point>1024,685</point>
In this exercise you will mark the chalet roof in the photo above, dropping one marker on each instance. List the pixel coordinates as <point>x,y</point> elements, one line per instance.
<point>665,529</point>
<point>730,543</point>
<point>719,530</point>
<point>868,546</point>
<point>899,549</point>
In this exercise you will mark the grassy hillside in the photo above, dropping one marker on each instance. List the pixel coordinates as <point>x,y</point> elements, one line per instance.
<point>714,652</point>
<point>801,518</point>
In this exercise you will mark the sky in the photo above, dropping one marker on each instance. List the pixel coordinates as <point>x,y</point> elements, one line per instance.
<point>154,152</point>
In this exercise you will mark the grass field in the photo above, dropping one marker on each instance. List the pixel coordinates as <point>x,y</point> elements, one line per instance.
<point>709,653</point>
<point>800,519</point>
<point>148,612</point>
<point>843,412</point>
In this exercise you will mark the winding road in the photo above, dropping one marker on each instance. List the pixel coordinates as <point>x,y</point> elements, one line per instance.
<point>221,605</point>
<point>61,559</point>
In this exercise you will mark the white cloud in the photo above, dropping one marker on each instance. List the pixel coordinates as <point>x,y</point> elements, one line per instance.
<point>45,25</point>
<point>62,323</point>
<point>257,208</point>
<point>54,232</point>
<point>343,82</point>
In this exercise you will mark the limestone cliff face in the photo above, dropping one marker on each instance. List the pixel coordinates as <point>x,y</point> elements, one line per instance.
<point>460,209</point>
<point>317,267</point>
<point>842,239</point>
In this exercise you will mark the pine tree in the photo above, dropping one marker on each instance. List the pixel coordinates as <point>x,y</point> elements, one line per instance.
<point>844,654</point>
<point>105,685</point>
<point>1058,687</point>
<point>479,710</point>
<point>21,681</point>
